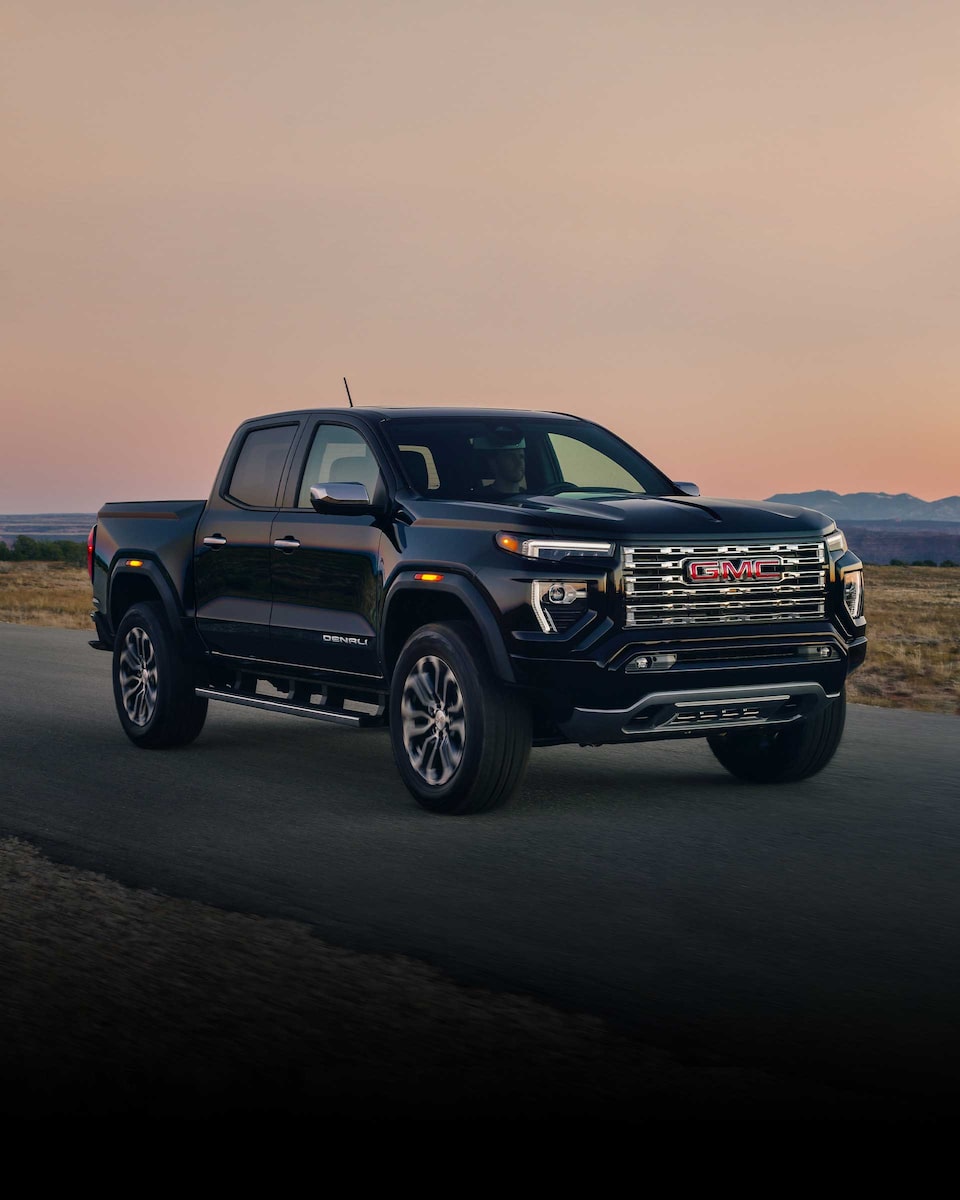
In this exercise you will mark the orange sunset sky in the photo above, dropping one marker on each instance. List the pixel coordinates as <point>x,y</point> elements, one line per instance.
<point>729,231</point>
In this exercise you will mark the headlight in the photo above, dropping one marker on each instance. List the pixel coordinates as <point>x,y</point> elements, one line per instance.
<point>853,592</point>
<point>836,541</point>
<point>552,549</point>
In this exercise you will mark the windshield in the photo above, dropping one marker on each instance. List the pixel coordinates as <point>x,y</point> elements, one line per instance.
<point>477,458</point>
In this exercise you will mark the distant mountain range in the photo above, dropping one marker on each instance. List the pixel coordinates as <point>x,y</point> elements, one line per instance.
<point>881,527</point>
<point>874,506</point>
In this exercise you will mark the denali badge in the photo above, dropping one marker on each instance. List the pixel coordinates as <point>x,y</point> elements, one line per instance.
<point>345,641</point>
<point>719,570</point>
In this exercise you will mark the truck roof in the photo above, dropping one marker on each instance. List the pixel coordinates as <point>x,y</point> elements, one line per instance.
<point>389,411</point>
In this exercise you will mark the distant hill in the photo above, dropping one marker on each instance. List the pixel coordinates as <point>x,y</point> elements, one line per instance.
<point>72,527</point>
<point>883,541</point>
<point>874,506</point>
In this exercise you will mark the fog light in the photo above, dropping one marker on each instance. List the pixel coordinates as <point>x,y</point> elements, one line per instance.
<point>569,596</point>
<point>651,662</point>
<point>816,652</point>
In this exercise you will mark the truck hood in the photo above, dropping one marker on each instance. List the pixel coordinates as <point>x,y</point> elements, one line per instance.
<point>689,516</point>
<point>622,517</point>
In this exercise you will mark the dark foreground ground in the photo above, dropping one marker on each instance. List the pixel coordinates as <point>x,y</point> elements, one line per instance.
<point>244,925</point>
<point>116,1001</point>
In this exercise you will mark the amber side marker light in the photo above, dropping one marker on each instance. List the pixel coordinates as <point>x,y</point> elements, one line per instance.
<point>428,577</point>
<point>506,541</point>
<point>134,562</point>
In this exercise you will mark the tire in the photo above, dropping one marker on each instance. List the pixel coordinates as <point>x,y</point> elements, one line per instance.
<point>784,754</point>
<point>152,685</point>
<point>460,739</point>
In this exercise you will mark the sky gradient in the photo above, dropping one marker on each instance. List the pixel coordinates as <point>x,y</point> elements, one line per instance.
<point>730,232</point>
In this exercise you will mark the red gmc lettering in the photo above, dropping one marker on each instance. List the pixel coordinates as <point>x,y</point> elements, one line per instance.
<point>713,570</point>
<point>767,568</point>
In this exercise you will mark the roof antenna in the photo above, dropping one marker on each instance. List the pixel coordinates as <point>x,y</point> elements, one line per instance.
<point>347,386</point>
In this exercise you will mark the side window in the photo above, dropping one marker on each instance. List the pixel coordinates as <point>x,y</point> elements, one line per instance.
<point>256,473</point>
<point>338,455</point>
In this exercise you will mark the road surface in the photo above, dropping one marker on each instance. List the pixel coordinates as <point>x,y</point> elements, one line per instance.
<point>807,928</point>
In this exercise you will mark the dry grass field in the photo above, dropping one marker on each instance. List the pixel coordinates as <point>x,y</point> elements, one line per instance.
<point>36,593</point>
<point>913,614</point>
<point>913,623</point>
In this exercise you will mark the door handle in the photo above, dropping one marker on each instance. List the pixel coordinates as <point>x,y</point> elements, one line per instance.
<point>287,543</point>
<point>215,540</point>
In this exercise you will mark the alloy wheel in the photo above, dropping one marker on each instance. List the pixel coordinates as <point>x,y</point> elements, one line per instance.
<point>434,720</point>
<point>138,676</point>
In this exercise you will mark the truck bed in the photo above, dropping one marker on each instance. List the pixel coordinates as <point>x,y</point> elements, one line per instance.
<point>161,532</point>
<point>158,525</point>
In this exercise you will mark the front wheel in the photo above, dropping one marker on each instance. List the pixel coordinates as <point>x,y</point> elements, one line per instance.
<point>460,739</point>
<point>152,685</point>
<point>785,753</point>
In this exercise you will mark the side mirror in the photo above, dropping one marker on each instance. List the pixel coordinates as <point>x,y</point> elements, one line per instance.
<point>688,489</point>
<point>340,498</point>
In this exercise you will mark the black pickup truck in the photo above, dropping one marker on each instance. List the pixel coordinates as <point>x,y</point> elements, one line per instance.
<point>478,581</point>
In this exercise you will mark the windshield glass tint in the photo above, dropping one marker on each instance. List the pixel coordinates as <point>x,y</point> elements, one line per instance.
<point>473,458</point>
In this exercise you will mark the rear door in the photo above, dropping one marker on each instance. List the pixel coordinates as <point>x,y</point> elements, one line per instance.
<point>326,568</point>
<point>233,549</point>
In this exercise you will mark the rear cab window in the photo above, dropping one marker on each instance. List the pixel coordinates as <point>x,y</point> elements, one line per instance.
<point>258,470</point>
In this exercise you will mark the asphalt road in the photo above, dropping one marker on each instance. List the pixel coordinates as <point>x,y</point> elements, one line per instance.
<point>808,928</point>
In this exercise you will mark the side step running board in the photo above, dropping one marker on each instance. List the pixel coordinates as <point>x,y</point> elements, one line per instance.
<point>333,717</point>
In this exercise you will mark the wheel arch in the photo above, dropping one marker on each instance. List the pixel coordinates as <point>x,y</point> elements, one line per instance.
<point>144,584</point>
<point>411,603</point>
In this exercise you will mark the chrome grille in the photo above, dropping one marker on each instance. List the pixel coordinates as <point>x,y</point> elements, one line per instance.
<point>658,594</point>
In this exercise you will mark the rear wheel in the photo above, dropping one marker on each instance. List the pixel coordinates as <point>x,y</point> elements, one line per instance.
<point>786,753</point>
<point>460,739</point>
<point>152,685</point>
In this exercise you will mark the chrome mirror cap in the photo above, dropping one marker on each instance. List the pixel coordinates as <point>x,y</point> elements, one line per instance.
<point>332,495</point>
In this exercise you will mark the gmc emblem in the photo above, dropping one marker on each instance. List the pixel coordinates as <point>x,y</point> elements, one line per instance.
<point>721,570</point>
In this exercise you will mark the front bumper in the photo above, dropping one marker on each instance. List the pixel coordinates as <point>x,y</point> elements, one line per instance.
<point>696,712</point>
<point>596,693</point>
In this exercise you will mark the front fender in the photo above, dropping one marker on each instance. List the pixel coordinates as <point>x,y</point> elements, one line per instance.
<point>473,601</point>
